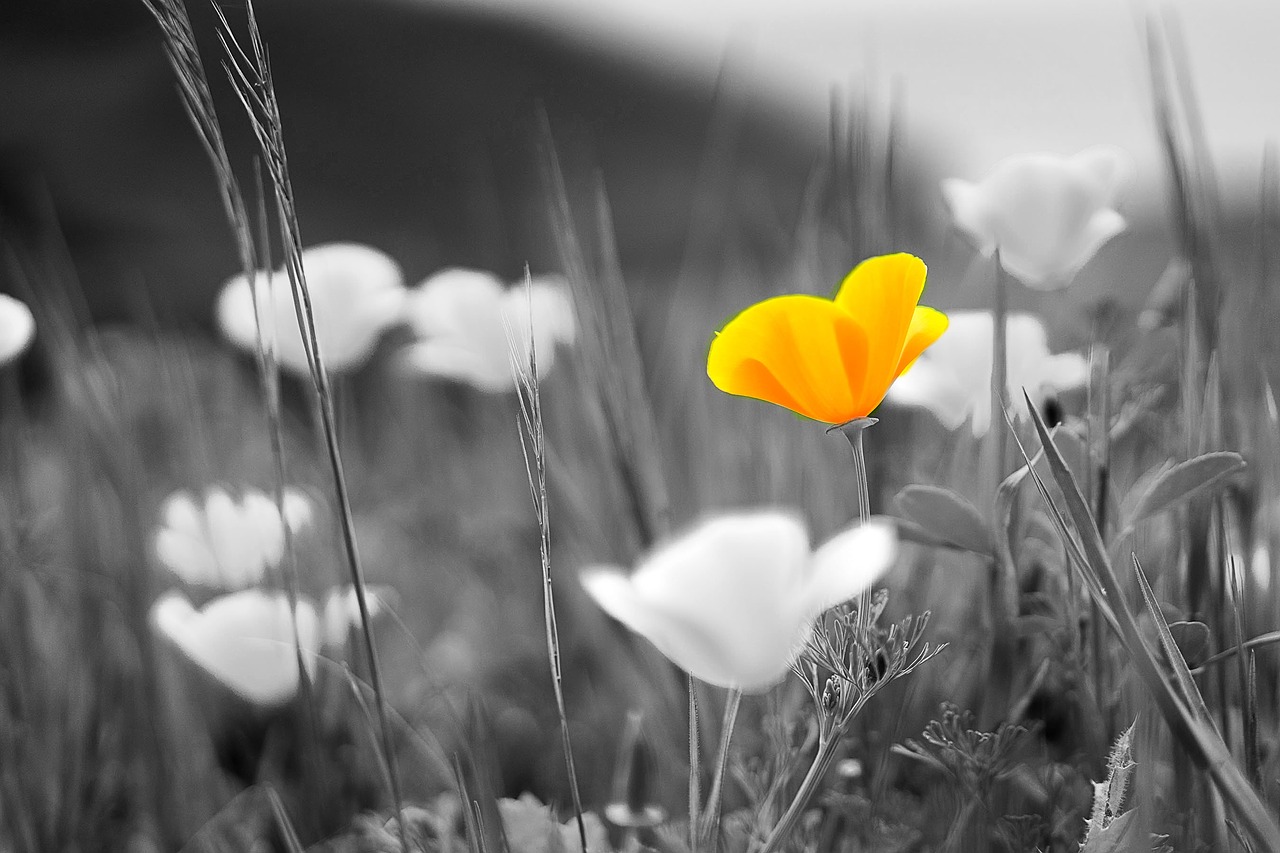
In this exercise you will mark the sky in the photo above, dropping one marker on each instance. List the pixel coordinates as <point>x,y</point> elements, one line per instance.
<point>979,79</point>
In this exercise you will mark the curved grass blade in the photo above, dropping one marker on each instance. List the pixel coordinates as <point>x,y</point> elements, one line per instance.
<point>1188,724</point>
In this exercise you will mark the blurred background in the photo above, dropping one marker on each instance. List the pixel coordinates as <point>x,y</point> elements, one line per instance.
<point>412,126</point>
<point>744,148</point>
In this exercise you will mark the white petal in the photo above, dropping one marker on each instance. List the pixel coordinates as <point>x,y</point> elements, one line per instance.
<point>952,378</point>
<point>969,213</point>
<point>847,564</point>
<point>356,293</point>
<point>461,363</point>
<point>1108,166</point>
<point>461,319</point>
<point>181,513</point>
<point>244,640</point>
<point>1065,372</point>
<point>17,328</point>
<point>298,509</point>
<point>261,518</point>
<point>719,597</point>
<point>681,640</point>
<point>187,557</point>
<point>932,385</point>
<point>1047,214</point>
<point>233,540</point>
<point>452,301</point>
<point>342,611</point>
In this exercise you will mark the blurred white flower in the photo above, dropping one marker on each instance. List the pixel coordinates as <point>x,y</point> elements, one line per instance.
<point>244,640</point>
<point>732,600</point>
<point>357,293</point>
<point>461,319</point>
<point>17,328</point>
<point>952,379</point>
<point>225,543</point>
<point>1047,214</point>
<point>341,611</point>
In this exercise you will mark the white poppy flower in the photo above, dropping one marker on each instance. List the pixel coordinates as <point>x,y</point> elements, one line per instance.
<point>952,379</point>
<point>223,542</point>
<point>17,328</point>
<point>461,319</point>
<point>733,600</point>
<point>342,611</point>
<point>357,293</point>
<point>1048,215</point>
<point>244,640</point>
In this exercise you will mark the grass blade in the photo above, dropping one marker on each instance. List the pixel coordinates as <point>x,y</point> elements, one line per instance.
<point>533,445</point>
<point>1188,725</point>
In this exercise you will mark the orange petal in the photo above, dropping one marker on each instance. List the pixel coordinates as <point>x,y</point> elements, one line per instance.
<point>795,351</point>
<point>927,325</point>
<point>881,294</point>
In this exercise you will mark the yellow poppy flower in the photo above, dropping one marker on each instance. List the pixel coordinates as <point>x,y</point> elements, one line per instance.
<point>831,360</point>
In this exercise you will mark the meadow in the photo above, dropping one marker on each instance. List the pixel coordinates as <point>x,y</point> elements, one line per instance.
<point>747,564</point>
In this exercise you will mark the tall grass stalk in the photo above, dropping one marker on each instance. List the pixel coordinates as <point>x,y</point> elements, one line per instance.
<point>251,79</point>
<point>711,820</point>
<point>193,86</point>
<point>533,443</point>
<point>1180,703</point>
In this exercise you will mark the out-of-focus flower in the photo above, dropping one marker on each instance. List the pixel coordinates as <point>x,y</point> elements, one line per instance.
<point>953,378</point>
<point>1048,215</point>
<point>461,319</point>
<point>732,600</point>
<point>244,640</point>
<point>342,611</point>
<point>829,360</point>
<point>225,543</point>
<point>17,328</point>
<point>531,827</point>
<point>357,293</point>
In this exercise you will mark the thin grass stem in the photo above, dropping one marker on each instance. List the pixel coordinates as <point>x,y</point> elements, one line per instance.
<point>251,79</point>
<point>695,766</point>
<point>716,795</point>
<point>533,447</point>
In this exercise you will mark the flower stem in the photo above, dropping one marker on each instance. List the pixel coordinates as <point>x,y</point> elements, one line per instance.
<point>712,820</point>
<point>695,766</point>
<point>808,787</point>
<point>853,432</point>
<point>999,372</point>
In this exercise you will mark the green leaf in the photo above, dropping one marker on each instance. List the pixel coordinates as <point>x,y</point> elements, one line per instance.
<point>1184,713</point>
<point>1114,838</point>
<point>1193,641</point>
<point>1182,481</point>
<point>946,517</point>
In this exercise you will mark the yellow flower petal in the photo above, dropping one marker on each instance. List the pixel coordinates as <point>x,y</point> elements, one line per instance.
<point>881,294</point>
<point>829,360</point>
<point>800,352</point>
<point>927,325</point>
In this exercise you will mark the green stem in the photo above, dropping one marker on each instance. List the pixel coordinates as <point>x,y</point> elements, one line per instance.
<point>808,787</point>
<point>999,372</point>
<point>712,820</point>
<point>852,431</point>
<point>695,767</point>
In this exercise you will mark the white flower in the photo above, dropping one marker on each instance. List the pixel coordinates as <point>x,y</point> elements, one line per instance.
<point>245,640</point>
<point>17,328</point>
<point>461,319</point>
<point>223,542</point>
<point>342,611</point>
<point>952,379</point>
<point>357,293</point>
<point>1048,215</point>
<point>732,601</point>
